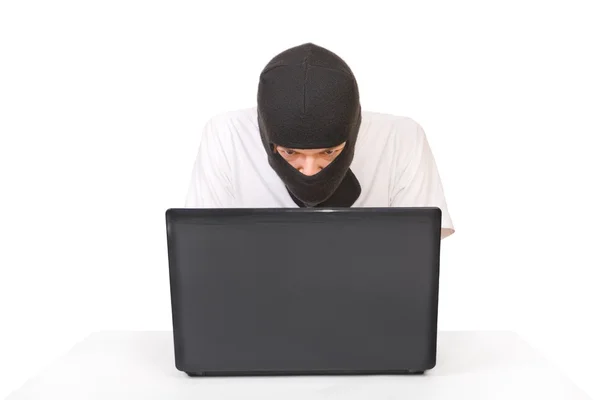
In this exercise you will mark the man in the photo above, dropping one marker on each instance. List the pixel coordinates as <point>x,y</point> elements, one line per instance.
<point>308,143</point>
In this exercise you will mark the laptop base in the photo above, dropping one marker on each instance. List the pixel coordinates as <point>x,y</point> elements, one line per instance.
<point>297,373</point>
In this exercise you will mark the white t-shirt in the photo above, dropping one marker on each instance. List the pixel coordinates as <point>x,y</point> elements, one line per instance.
<point>393,163</point>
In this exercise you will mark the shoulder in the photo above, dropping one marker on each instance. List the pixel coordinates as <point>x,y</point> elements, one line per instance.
<point>230,126</point>
<point>229,119</point>
<point>401,132</point>
<point>394,124</point>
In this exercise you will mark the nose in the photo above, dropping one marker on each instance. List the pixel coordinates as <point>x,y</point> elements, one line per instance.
<point>310,166</point>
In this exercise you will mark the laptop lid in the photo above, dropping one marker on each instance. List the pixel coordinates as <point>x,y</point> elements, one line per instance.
<point>292,291</point>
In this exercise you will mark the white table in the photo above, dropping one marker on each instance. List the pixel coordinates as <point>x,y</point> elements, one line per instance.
<point>140,365</point>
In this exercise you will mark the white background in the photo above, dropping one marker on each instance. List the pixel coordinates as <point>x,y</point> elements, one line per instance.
<point>102,103</point>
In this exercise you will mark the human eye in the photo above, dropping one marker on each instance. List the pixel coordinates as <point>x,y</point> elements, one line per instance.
<point>287,152</point>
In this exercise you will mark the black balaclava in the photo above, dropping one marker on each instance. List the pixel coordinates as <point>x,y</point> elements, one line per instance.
<point>308,99</point>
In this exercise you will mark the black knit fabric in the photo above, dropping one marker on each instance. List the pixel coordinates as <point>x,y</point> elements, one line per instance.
<point>308,98</point>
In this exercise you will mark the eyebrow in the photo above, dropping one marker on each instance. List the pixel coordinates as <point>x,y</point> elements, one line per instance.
<point>324,149</point>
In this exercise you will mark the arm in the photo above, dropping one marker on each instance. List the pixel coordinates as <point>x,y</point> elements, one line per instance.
<point>211,183</point>
<point>417,182</point>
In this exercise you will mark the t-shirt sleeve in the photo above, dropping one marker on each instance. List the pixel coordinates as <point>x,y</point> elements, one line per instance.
<point>417,181</point>
<point>211,184</point>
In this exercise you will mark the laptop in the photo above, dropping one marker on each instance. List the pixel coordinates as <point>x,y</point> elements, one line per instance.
<point>304,291</point>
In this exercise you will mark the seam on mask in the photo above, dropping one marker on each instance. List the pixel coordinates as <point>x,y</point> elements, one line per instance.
<point>335,70</point>
<point>304,86</point>
<point>306,65</point>
<point>275,67</point>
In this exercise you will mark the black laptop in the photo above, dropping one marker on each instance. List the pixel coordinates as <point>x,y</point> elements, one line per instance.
<point>304,291</point>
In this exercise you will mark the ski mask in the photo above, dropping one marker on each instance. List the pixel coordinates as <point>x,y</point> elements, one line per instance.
<point>308,99</point>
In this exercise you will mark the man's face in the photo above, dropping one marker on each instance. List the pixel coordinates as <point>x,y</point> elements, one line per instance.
<point>310,162</point>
